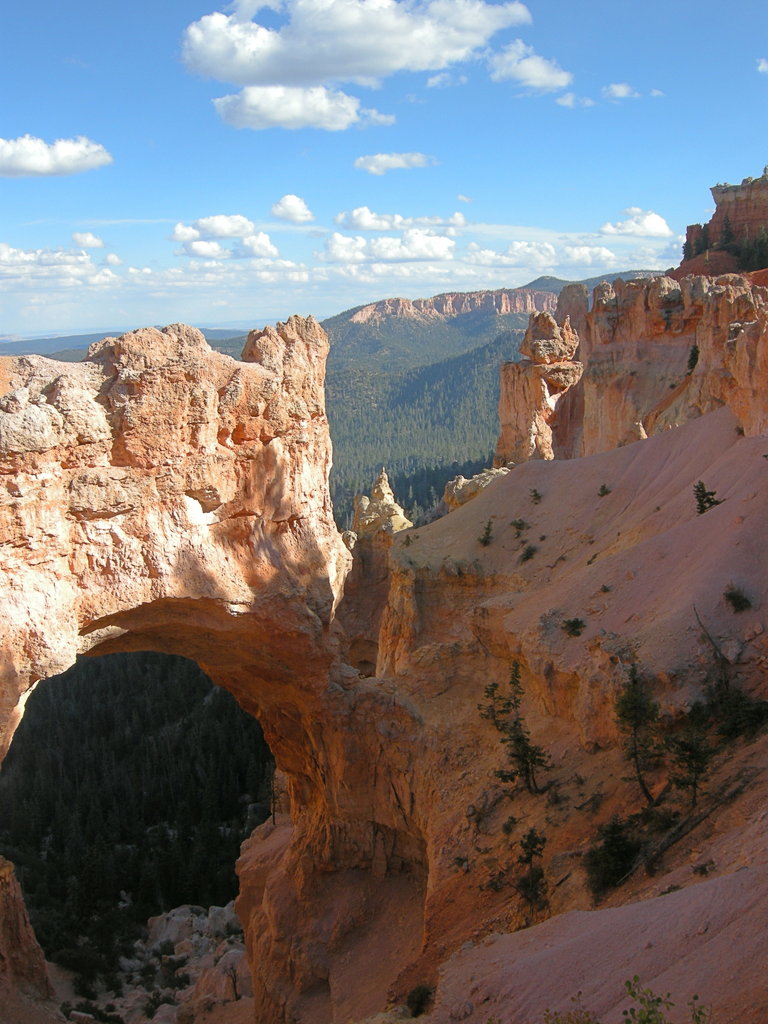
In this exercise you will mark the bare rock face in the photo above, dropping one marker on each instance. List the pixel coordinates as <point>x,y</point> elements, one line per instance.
<point>460,490</point>
<point>158,492</point>
<point>376,520</point>
<point>637,343</point>
<point>532,388</point>
<point>741,212</point>
<point>22,965</point>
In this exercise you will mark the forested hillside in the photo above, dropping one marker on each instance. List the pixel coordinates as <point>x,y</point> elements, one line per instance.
<point>129,786</point>
<point>425,425</point>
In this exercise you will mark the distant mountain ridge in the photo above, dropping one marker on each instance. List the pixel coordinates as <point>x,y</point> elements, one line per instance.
<point>527,299</point>
<point>556,284</point>
<point>501,301</point>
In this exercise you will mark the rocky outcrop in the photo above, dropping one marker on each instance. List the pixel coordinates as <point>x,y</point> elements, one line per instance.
<point>380,512</point>
<point>741,212</point>
<point>532,388</point>
<point>376,520</point>
<point>449,304</point>
<point>159,491</point>
<point>22,965</point>
<point>460,490</point>
<point>638,342</point>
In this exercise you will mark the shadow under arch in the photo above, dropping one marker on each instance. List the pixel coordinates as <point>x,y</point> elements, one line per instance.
<point>129,787</point>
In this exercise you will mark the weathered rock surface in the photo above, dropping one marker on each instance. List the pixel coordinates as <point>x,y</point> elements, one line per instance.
<point>501,301</point>
<point>741,212</point>
<point>636,343</point>
<point>376,519</point>
<point>200,525</point>
<point>380,512</point>
<point>532,388</point>
<point>460,490</point>
<point>22,965</point>
<point>160,492</point>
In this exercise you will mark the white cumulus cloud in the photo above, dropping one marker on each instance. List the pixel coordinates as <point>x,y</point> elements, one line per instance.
<point>414,245</point>
<point>325,41</point>
<point>537,255</point>
<point>519,63</point>
<point>762,66</point>
<point>639,222</point>
<point>209,250</point>
<point>293,107</point>
<point>364,219</point>
<point>223,225</point>
<point>587,256</point>
<point>570,99</point>
<point>380,163</point>
<point>50,268</point>
<point>28,156</point>
<point>184,233</point>
<point>292,208</point>
<point>620,91</point>
<point>87,240</point>
<point>258,244</point>
<point>112,259</point>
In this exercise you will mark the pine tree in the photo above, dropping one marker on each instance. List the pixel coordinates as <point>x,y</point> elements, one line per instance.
<point>525,758</point>
<point>638,714</point>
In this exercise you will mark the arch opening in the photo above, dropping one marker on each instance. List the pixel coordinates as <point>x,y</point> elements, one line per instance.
<point>131,782</point>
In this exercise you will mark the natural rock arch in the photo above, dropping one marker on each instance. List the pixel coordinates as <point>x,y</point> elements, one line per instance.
<point>161,496</point>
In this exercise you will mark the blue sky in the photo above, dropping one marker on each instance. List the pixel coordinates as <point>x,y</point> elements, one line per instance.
<point>240,163</point>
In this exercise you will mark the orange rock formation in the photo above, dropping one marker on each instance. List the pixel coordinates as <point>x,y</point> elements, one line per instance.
<point>532,388</point>
<point>741,211</point>
<point>162,496</point>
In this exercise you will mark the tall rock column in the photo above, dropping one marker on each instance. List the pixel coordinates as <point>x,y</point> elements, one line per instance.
<point>532,389</point>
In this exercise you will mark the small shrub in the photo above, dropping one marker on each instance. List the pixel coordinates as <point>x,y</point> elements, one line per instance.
<point>611,860</point>
<point>534,496</point>
<point>737,599</point>
<point>573,627</point>
<point>487,534</point>
<point>418,999</point>
<point>520,526</point>
<point>577,1015</point>
<point>705,500</point>
<point>156,999</point>
<point>604,489</point>
<point>736,714</point>
<point>693,358</point>
<point>528,552</point>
